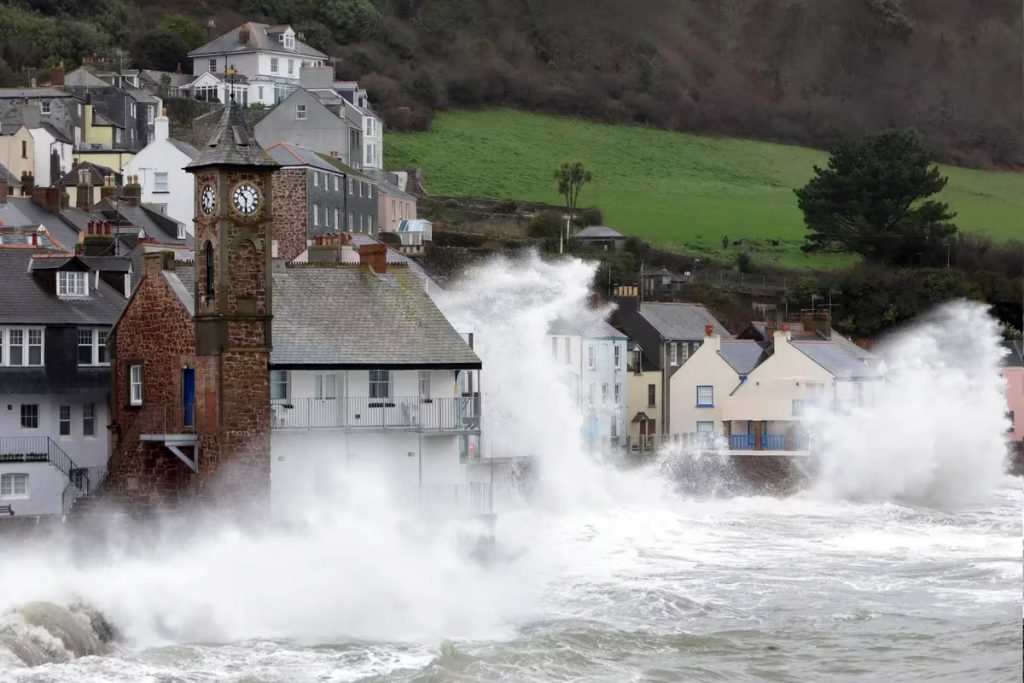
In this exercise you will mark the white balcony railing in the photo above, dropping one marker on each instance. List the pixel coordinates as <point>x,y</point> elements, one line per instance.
<point>403,413</point>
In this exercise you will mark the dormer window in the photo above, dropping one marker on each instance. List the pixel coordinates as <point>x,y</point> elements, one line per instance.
<point>288,39</point>
<point>44,107</point>
<point>181,231</point>
<point>72,284</point>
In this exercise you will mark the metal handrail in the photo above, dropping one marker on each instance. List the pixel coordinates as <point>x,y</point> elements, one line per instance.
<point>406,413</point>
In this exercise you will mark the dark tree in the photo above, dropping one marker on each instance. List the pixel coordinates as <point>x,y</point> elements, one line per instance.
<point>873,200</point>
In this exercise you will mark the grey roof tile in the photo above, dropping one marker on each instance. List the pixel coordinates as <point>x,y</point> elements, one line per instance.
<point>30,296</point>
<point>233,143</point>
<point>599,232</point>
<point>838,359</point>
<point>742,355</point>
<point>261,37</point>
<point>184,148</point>
<point>681,320</point>
<point>349,316</point>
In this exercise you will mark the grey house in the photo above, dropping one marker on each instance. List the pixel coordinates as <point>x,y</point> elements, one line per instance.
<point>315,194</point>
<point>129,109</point>
<point>34,107</point>
<point>668,334</point>
<point>302,119</point>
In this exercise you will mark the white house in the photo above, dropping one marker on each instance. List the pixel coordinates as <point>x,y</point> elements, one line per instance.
<point>54,377</point>
<point>592,356</point>
<point>53,153</point>
<point>755,395</point>
<point>266,61</point>
<point>368,375</point>
<point>160,169</point>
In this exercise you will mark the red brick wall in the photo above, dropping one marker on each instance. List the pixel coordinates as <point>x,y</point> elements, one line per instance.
<point>157,332</point>
<point>290,212</point>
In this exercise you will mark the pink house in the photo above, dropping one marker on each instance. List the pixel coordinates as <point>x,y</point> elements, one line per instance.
<point>1013,371</point>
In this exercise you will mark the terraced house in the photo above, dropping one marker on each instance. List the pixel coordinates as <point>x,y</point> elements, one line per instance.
<point>54,376</point>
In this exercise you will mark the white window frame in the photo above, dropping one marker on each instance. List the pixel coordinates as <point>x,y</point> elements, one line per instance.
<point>72,284</point>
<point>708,398</point>
<point>604,393</point>
<point>45,107</point>
<point>280,379</point>
<point>316,214</point>
<point>706,427</point>
<point>213,65</point>
<point>98,354</point>
<point>273,65</point>
<point>380,384</point>
<point>337,213</point>
<point>135,384</point>
<point>161,182</point>
<point>64,420</point>
<point>618,356</point>
<point>33,416</point>
<point>424,384</point>
<point>8,488</point>
<point>325,387</point>
<point>291,66</point>
<point>618,394</point>
<point>88,419</point>
<point>29,339</point>
<point>591,357</point>
<point>337,183</point>
<point>300,112</point>
<point>568,351</point>
<point>673,353</point>
<point>351,221</point>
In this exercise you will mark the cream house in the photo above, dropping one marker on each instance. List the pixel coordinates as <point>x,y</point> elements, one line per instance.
<point>755,395</point>
<point>643,401</point>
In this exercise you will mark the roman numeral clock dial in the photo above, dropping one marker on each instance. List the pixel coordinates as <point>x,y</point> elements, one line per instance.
<point>208,200</point>
<point>246,199</point>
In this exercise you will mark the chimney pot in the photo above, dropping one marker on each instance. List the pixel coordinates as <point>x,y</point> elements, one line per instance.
<point>709,330</point>
<point>785,327</point>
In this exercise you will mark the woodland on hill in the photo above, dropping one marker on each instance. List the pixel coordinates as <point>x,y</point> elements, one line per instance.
<point>805,71</point>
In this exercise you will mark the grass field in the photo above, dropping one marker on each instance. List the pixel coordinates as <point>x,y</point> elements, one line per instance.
<point>674,189</point>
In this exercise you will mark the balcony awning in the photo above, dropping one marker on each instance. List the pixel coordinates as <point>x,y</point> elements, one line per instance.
<point>175,443</point>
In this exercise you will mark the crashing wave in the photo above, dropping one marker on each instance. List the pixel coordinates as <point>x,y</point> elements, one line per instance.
<point>43,632</point>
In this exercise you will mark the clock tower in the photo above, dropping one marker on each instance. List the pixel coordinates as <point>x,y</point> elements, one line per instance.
<point>233,308</point>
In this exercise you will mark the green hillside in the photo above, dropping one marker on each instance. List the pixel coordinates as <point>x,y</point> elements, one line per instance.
<point>673,189</point>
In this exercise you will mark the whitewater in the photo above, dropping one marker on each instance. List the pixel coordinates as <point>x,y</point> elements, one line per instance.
<point>900,559</point>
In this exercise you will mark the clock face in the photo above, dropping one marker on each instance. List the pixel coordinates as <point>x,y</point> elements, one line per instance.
<point>246,198</point>
<point>208,200</point>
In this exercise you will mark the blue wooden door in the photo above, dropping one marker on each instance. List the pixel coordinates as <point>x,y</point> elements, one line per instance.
<point>188,397</point>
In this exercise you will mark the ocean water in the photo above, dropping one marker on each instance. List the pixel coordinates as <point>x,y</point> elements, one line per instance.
<point>901,560</point>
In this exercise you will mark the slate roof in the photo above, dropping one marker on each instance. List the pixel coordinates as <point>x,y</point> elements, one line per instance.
<point>12,180</point>
<point>599,232</point>
<point>680,320</point>
<point>107,264</point>
<point>11,216</point>
<point>30,297</point>
<point>595,329</point>
<point>60,230</point>
<point>56,133</point>
<point>31,93</point>
<point>155,224</point>
<point>287,154</point>
<point>97,174</point>
<point>261,37</point>
<point>837,359</point>
<point>184,148</point>
<point>742,355</point>
<point>349,316</point>
<point>233,143</point>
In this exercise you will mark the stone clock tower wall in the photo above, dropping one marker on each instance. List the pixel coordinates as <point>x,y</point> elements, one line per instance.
<point>233,317</point>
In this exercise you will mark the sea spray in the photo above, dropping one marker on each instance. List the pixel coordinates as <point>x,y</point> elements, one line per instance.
<point>932,432</point>
<point>529,407</point>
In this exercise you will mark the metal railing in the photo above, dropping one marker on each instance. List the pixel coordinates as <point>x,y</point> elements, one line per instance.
<point>36,449</point>
<point>709,440</point>
<point>402,413</point>
<point>471,498</point>
<point>84,480</point>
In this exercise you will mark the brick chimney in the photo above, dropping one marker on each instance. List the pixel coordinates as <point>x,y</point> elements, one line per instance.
<point>83,189</point>
<point>57,77</point>
<point>132,192</point>
<point>243,35</point>
<point>109,189</point>
<point>375,256</point>
<point>28,182</point>
<point>156,262</point>
<point>709,330</point>
<point>97,239</point>
<point>51,199</point>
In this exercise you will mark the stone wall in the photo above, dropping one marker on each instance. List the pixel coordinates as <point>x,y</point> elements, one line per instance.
<point>155,331</point>
<point>290,212</point>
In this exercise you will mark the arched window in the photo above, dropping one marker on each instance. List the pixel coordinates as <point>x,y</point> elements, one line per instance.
<point>208,256</point>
